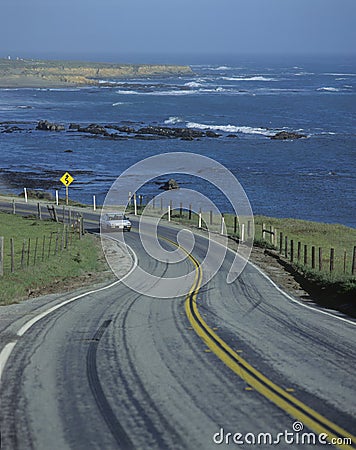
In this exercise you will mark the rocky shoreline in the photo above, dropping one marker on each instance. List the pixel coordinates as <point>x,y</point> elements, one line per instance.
<point>38,73</point>
<point>131,131</point>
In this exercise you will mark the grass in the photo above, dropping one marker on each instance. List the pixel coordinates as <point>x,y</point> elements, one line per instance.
<point>51,267</point>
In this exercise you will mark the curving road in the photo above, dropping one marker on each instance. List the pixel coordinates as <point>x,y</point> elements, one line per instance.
<point>116,369</point>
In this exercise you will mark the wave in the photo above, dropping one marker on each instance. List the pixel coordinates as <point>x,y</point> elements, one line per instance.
<point>173,120</point>
<point>328,89</point>
<point>193,84</point>
<point>341,74</point>
<point>254,78</point>
<point>232,129</point>
<point>128,92</point>
<point>118,103</point>
<point>221,68</point>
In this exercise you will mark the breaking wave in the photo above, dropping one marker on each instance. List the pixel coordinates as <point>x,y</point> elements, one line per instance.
<point>173,120</point>
<point>328,89</point>
<point>254,78</point>
<point>231,129</point>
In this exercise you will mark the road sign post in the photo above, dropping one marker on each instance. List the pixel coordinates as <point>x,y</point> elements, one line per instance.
<point>67,179</point>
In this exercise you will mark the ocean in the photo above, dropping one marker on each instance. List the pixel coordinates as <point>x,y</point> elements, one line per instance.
<point>311,178</point>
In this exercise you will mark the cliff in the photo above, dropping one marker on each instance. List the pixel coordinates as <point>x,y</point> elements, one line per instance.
<point>28,73</point>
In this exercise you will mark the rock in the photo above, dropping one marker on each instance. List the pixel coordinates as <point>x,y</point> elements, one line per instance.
<point>44,125</point>
<point>11,129</point>
<point>40,195</point>
<point>187,138</point>
<point>94,128</point>
<point>74,126</point>
<point>283,135</point>
<point>169,185</point>
<point>68,151</point>
<point>232,136</point>
<point>211,134</point>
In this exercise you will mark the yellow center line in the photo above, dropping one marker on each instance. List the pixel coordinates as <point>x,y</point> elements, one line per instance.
<point>254,378</point>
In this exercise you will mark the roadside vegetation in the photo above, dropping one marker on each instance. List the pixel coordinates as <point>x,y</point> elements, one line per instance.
<point>46,257</point>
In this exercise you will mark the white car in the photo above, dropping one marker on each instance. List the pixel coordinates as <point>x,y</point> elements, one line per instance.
<point>115,221</point>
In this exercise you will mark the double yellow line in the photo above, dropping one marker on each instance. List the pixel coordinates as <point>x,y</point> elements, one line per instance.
<point>259,382</point>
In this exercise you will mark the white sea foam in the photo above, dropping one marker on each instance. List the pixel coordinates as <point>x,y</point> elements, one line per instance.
<point>121,92</point>
<point>173,120</point>
<point>193,84</point>
<point>231,129</point>
<point>118,103</point>
<point>328,89</point>
<point>341,74</point>
<point>221,68</point>
<point>254,78</point>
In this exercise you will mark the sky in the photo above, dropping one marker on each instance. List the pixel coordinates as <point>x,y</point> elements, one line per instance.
<point>120,28</point>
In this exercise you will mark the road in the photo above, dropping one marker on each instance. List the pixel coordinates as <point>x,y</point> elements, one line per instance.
<point>118,369</point>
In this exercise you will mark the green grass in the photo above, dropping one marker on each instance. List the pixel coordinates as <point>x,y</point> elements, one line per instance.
<point>49,269</point>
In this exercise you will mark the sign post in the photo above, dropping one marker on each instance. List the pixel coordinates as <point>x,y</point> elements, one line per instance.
<point>67,179</point>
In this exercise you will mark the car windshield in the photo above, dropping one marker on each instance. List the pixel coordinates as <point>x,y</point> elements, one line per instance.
<point>116,217</point>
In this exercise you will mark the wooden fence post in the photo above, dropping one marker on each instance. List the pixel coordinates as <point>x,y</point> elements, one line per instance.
<point>23,255</point>
<point>345,259</point>
<point>180,209</point>
<point>353,268</point>
<point>263,231</point>
<point>286,246</point>
<point>280,242</point>
<point>313,256</point>
<point>1,256</point>
<point>299,250</point>
<point>13,207</point>
<point>305,255</point>
<point>235,224</point>
<point>28,251</point>
<point>43,247</point>
<point>291,250</point>
<point>211,218</point>
<point>12,250</point>
<point>190,212</point>
<point>320,259</point>
<point>332,254</point>
<point>35,253</point>
<point>39,212</point>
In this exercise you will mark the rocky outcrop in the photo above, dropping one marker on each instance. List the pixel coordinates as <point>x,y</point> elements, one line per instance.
<point>34,72</point>
<point>283,135</point>
<point>169,185</point>
<point>44,125</point>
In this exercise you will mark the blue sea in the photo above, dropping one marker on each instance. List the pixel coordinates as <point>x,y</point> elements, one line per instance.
<point>253,98</point>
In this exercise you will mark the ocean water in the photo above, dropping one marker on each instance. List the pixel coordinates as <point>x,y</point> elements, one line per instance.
<point>311,178</point>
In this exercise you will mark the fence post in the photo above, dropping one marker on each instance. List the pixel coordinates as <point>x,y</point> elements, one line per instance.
<point>94,203</point>
<point>211,217</point>
<point>292,250</point>
<point>57,197</point>
<point>39,212</point>
<point>35,253</point>
<point>332,254</point>
<point>169,213</point>
<point>13,207</point>
<point>235,224</point>
<point>161,204</point>
<point>222,225</point>
<point>242,237</point>
<point>190,212</point>
<point>1,256</point>
<point>23,255</point>
<point>180,209</point>
<point>25,193</point>
<point>286,246</point>
<point>28,251</point>
<point>12,255</point>
<point>135,204</point>
<point>345,258</point>
<point>320,258</point>
<point>299,250</point>
<point>82,225</point>
<point>305,255</point>
<point>248,228</point>
<point>280,242</point>
<point>353,268</point>
<point>43,247</point>
<point>313,257</point>
<point>199,220</point>
<point>263,231</point>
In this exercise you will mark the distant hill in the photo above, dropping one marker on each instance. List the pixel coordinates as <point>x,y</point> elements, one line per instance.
<point>37,73</point>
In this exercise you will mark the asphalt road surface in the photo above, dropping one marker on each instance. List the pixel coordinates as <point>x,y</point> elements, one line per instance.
<point>120,370</point>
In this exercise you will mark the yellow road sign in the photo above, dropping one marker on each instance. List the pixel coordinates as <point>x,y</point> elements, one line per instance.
<point>67,179</point>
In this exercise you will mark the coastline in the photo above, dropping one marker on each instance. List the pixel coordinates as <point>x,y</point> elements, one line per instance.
<point>23,73</point>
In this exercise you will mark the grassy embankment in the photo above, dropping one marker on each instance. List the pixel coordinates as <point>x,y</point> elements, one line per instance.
<point>61,261</point>
<point>332,288</point>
